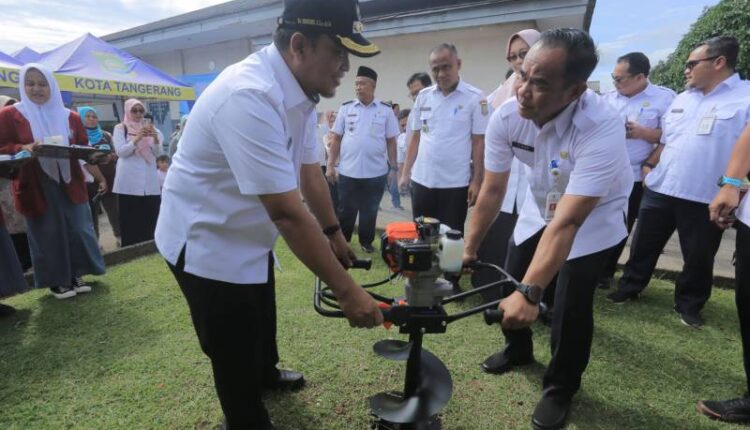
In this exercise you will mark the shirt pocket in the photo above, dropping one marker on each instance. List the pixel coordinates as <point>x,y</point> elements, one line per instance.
<point>649,118</point>
<point>377,128</point>
<point>726,124</point>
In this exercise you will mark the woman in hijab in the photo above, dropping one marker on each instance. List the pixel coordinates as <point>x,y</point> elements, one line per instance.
<point>176,137</point>
<point>495,245</point>
<point>50,192</point>
<point>106,166</point>
<point>136,183</point>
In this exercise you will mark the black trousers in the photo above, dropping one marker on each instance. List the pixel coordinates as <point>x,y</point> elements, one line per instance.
<point>360,196</point>
<point>449,205</point>
<point>742,292</point>
<point>236,327</point>
<point>572,319</point>
<point>494,249</point>
<point>634,204</point>
<point>21,245</point>
<point>138,215</point>
<point>658,218</point>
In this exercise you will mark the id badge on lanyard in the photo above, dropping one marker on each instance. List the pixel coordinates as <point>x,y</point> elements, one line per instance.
<point>706,124</point>
<point>554,195</point>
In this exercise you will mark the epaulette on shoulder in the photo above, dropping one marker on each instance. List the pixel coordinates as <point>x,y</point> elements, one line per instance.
<point>387,104</point>
<point>347,103</point>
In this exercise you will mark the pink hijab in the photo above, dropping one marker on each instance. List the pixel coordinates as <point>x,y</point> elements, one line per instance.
<point>143,148</point>
<point>507,89</point>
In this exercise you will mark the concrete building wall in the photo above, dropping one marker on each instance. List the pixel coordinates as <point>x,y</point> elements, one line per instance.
<point>205,59</point>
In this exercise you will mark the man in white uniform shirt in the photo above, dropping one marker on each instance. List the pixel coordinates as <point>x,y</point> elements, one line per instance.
<point>700,129</point>
<point>444,155</point>
<point>364,148</point>
<point>728,201</point>
<point>641,105</point>
<point>247,152</point>
<point>572,144</point>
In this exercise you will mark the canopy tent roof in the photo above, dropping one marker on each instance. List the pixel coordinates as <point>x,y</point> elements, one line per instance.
<point>26,55</point>
<point>9,67</point>
<point>89,65</point>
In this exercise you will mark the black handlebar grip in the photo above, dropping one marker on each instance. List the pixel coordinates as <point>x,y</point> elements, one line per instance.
<point>365,263</point>
<point>492,316</point>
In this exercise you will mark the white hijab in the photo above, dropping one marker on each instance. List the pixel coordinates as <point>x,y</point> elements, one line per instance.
<point>49,119</point>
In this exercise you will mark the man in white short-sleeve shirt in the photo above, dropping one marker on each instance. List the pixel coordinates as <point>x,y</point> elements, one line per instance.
<point>364,149</point>
<point>247,152</point>
<point>572,144</point>
<point>722,212</point>
<point>444,155</point>
<point>641,105</point>
<point>700,128</point>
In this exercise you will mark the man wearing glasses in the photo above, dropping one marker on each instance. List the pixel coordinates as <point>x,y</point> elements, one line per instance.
<point>700,129</point>
<point>245,156</point>
<point>641,105</point>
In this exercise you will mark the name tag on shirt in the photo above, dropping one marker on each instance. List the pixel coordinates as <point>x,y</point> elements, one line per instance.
<point>553,199</point>
<point>706,125</point>
<point>520,145</point>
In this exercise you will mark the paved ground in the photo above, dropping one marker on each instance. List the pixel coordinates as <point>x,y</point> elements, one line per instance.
<point>671,259</point>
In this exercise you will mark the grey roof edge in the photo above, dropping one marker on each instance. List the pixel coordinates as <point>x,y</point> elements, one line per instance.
<point>209,12</point>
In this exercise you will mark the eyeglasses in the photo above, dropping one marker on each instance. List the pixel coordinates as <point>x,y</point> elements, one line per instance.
<point>690,65</point>
<point>521,55</point>
<point>137,110</point>
<point>618,79</point>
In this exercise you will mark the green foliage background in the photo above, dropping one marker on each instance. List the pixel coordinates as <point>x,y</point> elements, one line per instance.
<point>728,17</point>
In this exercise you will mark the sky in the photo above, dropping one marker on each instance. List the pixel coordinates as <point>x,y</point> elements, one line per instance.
<point>650,26</point>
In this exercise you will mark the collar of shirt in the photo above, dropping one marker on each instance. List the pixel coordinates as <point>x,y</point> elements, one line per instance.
<point>728,83</point>
<point>375,102</point>
<point>294,96</point>
<point>563,120</point>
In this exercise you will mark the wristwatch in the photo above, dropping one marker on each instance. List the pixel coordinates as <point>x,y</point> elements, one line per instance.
<point>533,293</point>
<point>726,180</point>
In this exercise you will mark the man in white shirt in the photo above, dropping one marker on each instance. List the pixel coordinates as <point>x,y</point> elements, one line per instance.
<point>247,152</point>
<point>700,129</point>
<point>572,144</point>
<point>641,105</point>
<point>364,147</point>
<point>444,155</point>
<point>722,209</point>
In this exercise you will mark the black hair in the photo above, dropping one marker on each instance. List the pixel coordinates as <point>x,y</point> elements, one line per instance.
<point>637,63</point>
<point>404,114</point>
<point>580,52</point>
<point>508,73</point>
<point>162,157</point>
<point>722,46</point>
<point>283,36</point>
<point>422,77</point>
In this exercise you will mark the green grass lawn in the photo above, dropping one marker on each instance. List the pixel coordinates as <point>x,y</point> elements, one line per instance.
<point>126,357</point>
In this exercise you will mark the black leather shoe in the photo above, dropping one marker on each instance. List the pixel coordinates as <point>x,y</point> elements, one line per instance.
<point>269,426</point>
<point>6,311</point>
<point>550,413</point>
<point>288,380</point>
<point>500,362</point>
<point>731,411</point>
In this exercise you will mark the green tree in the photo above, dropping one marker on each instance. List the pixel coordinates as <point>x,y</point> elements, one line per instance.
<point>727,18</point>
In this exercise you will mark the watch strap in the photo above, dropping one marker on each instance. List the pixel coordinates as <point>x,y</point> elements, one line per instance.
<point>331,230</point>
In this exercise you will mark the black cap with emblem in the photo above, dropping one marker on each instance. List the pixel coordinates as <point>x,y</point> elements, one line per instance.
<point>339,18</point>
<point>367,72</point>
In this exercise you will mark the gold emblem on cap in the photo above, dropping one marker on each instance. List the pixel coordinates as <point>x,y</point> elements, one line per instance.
<point>358,27</point>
